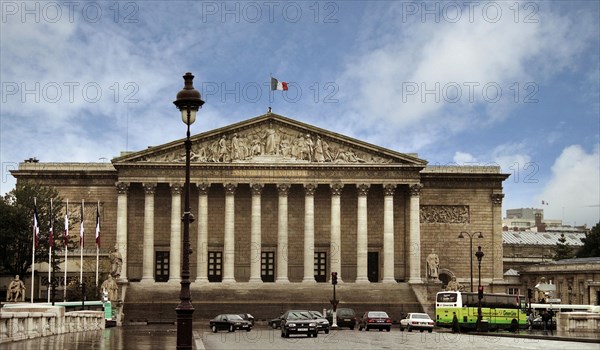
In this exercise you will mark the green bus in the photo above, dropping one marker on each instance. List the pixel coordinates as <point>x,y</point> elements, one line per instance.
<point>498,311</point>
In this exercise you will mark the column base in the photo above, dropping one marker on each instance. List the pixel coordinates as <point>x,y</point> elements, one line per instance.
<point>282,280</point>
<point>362,280</point>
<point>228,280</point>
<point>201,280</point>
<point>388,280</point>
<point>415,280</point>
<point>309,280</point>
<point>255,280</point>
<point>147,280</point>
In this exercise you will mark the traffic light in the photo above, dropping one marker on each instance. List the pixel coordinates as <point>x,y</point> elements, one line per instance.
<point>480,292</point>
<point>529,293</point>
<point>334,278</point>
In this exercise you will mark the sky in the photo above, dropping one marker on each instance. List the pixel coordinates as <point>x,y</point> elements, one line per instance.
<point>507,83</point>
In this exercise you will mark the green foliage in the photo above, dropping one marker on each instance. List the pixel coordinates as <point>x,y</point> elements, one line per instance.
<point>591,243</point>
<point>16,226</point>
<point>563,250</point>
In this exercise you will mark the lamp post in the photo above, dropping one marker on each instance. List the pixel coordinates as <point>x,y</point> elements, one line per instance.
<point>188,102</point>
<point>461,235</point>
<point>479,254</point>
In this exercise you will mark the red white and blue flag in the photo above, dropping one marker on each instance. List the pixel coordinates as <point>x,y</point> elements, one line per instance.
<point>278,85</point>
<point>66,235</point>
<point>51,230</point>
<point>36,226</point>
<point>81,227</point>
<point>97,227</point>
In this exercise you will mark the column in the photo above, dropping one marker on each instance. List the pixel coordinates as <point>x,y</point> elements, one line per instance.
<point>388,233</point>
<point>414,239</point>
<point>335,247</point>
<point>255,233</point>
<point>175,243</point>
<point>309,233</point>
<point>282,234</point>
<point>361,234</point>
<point>148,245</point>
<point>497,251</point>
<point>229,239</point>
<point>202,246</point>
<point>122,188</point>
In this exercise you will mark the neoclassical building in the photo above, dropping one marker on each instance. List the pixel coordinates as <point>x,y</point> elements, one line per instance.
<point>279,201</point>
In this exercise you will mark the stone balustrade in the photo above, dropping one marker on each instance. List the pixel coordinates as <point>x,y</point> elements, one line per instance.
<point>578,322</point>
<point>30,321</point>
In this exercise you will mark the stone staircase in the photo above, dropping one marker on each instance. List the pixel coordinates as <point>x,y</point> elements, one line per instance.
<point>156,302</point>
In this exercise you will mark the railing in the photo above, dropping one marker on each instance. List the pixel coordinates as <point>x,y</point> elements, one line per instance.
<point>31,321</point>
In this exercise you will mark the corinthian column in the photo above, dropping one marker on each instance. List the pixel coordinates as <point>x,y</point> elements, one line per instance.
<point>388,233</point>
<point>122,188</point>
<point>229,239</point>
<point>255,233</point>
<point>309,233</point>
<point>335,247</point>
<point>148,245</point>
<point>175,242</point>
<point>282,234</point>
<point>414,261</point>
<point>361,234</point>
<point>202,255</point>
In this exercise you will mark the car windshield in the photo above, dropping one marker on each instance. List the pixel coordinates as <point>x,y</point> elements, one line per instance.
<point>234,317</point>
<point>345,312</point>
<point>316,314</point>
<point>421,316</point>
<point>299,315</point>
<point>377,314</point>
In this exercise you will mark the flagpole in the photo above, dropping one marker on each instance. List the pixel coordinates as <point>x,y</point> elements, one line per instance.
<point>66,240</point>
<point>81,244</point>
<point>50,239</point>
<point>33,246</point>
<point>97,237</point>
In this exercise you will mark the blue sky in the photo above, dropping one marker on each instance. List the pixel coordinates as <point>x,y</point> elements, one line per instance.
<point>501,82</point>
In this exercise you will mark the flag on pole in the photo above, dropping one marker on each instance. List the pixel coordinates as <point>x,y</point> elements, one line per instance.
<point>98,225</point>
<point>36,226</point>
<point>66,235</point>
<point>51,231</point>
<point>278,85</point>
<point>81,228</point>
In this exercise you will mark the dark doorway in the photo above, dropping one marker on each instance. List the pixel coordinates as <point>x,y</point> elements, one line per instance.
<point>215,266</point>
<point>373,266</point>
<point>321,266</point>
<point>598,297</point>
<point>161,267</point>
<point>267,266</point>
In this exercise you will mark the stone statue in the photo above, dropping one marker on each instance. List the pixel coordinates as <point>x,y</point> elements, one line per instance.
<point>110,286</point>
<point>433,264</point>
<point>16,290</point>
<point>116,262</point>
<point>453,285</point>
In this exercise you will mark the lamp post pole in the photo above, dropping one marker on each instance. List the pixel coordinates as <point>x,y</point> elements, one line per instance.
<point>461,235</point>
<point>188,102</point>
<point>479,254</point>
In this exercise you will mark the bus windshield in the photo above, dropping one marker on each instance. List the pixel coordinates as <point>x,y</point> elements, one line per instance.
<point>449,297</point>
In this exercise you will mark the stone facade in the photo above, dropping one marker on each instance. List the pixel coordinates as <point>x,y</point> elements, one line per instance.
<point>277,200</point>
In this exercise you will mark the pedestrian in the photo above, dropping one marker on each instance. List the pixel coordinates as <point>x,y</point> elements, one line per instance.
<point>545,318</point>
<point>455,325</point>
<point>530,319</point>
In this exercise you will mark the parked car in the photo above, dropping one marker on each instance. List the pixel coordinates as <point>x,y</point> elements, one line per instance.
<point>298,322</point>
<point>276,322</point>
<point>230,322</point>
<point>248,318</point>
<point>415,320</point>
<point>344,317</point>
<point>375,320</point>
<point>322,323</point>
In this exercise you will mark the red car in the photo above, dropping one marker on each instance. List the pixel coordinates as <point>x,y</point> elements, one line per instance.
<point>375,320</point>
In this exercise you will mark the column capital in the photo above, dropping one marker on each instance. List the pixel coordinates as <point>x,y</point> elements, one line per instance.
<point>256,189</point>
<point>415,190</point>
<point>230,188</point>
<point>497,198</point>
<point>389,189</point>
<point>283,189</point>
<point>336,189</point>
<point>203,188</point>
<point>309,189</point>
<point>122,187</point>
<point>363,189</point>
<point>176,188</point>
<point>149,188</point>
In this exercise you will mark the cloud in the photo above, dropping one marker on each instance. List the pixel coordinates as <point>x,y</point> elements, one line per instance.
<point>574,189</point>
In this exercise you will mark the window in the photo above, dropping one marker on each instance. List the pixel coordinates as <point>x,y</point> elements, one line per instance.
<point>161,267</point>
<point>215,266</point>
<point>514,291</point>
<point>321,266</point>
<point>267,266</point>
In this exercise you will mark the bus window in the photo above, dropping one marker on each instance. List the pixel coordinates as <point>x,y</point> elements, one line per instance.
<point>446,297</point>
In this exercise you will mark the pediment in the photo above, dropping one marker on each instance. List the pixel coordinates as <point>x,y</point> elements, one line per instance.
<point>272,139</point>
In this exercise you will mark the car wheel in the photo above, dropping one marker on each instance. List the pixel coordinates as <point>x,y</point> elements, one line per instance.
<point>248,329</point>
<point>316,334</point>
<point>274,325</point>
<point>231,329</point>
<point>352,328</point>
<point>214,329</point>
<point>401,329</point>
<point>327,331</point>
<point>389,329</point>
<point>409,329</point>
<point>431,330</point>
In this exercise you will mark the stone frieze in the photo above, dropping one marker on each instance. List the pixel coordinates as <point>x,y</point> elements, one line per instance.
<point>445,214</point>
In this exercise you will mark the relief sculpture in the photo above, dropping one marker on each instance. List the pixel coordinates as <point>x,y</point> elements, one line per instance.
<point>445,214</point>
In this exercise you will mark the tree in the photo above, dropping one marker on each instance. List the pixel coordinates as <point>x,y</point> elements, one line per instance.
<point>563,250</point>
<point>591,243</point>
<point>16,226</point>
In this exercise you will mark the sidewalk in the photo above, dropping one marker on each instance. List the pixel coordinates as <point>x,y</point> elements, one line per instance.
<point>585,337</point>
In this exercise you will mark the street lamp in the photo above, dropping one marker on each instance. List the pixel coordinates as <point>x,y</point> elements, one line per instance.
<point>188,102</point>
<point>470,249</point>
<point>479,256</point>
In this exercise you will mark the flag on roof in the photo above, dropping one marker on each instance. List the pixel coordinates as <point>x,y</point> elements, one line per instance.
<point>278,85</point>
<point>97,226</point>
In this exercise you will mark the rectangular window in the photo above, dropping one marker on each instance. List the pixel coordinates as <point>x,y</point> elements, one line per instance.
<point>215,266</point>
<point>514,291</point>
<point>267,266</point>
<point>321,266</point>
<point>161,267</point>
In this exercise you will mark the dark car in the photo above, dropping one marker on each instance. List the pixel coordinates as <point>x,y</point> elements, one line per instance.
<point>322,323</point>
<point>248,318</point>
<point>375,320</point>
<point>230,322</point>
<point>344,317</point>
<point>298,322</point>
<point>276,322</point>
